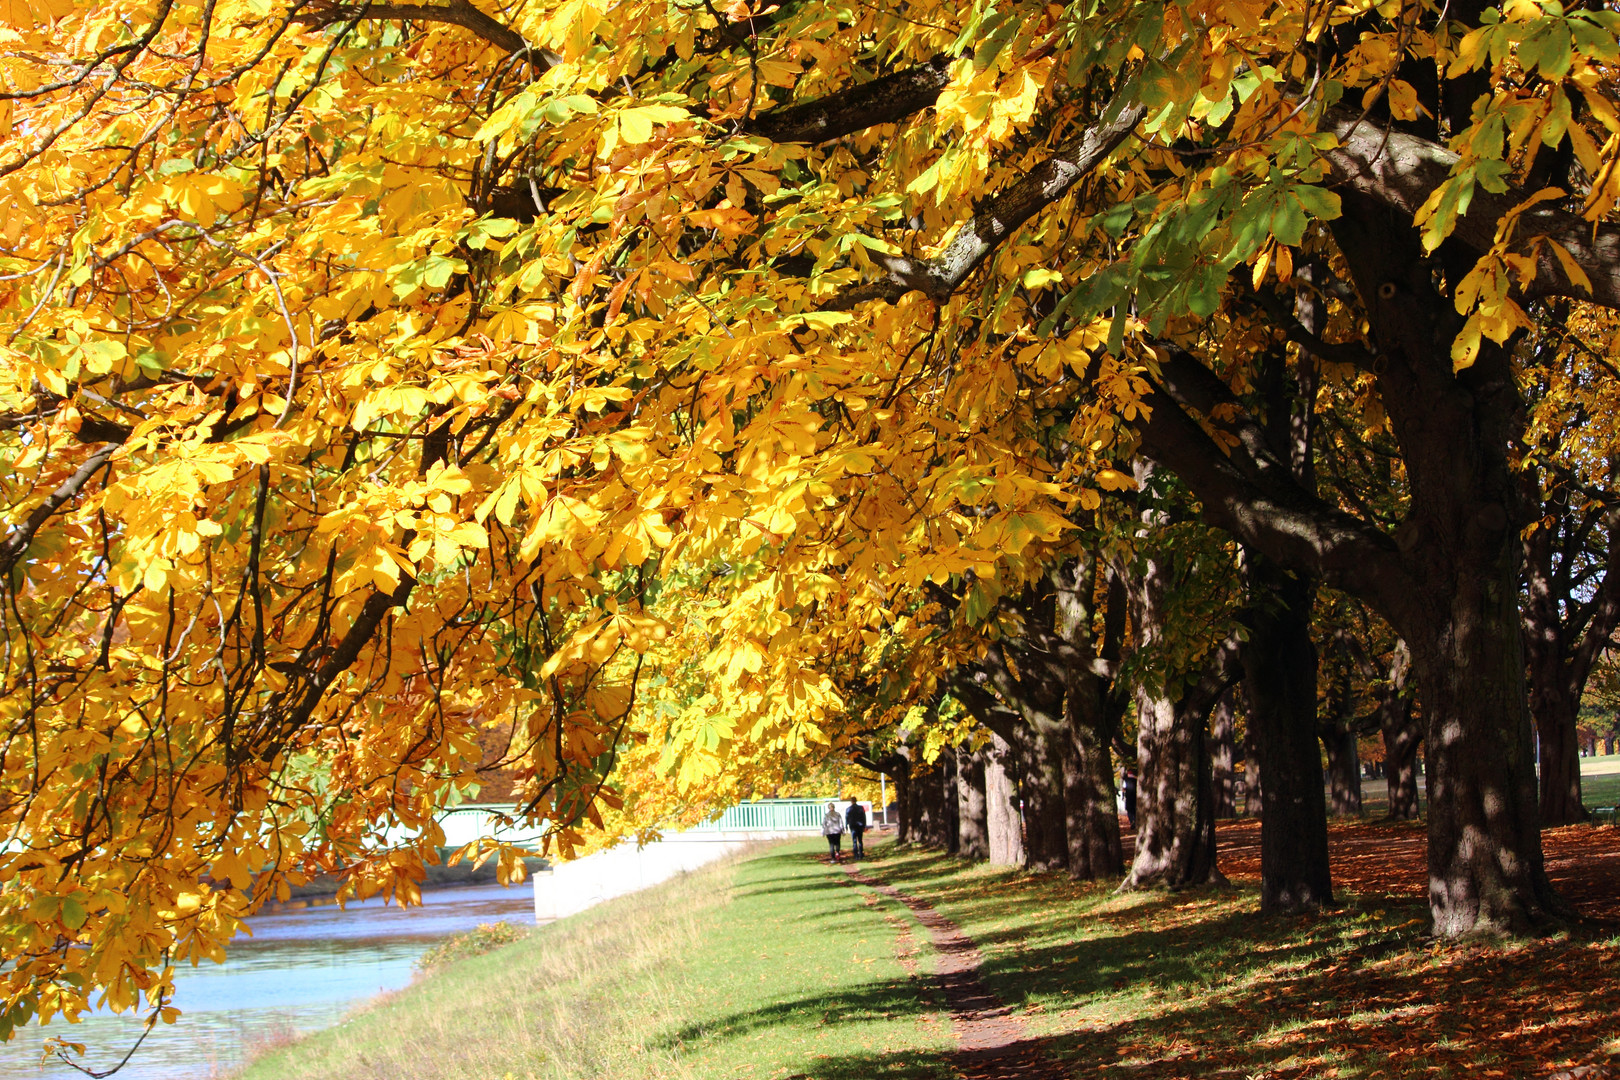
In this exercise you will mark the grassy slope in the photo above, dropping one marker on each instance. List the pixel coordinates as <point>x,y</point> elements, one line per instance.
<point>767,967</point>
<point>776,968</point>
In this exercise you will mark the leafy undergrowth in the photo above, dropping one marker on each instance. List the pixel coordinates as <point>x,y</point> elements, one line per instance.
<point>1197,984</point>
<point>766,967</point>
<point>484,938</point>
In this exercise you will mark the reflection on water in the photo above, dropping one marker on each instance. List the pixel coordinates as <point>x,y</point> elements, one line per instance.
<point>302,969</point>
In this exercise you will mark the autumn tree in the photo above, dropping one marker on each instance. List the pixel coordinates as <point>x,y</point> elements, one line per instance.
<point>368,366</point>
<point>1571,603</point>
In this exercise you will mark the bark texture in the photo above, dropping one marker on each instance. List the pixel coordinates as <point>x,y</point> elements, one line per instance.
<point>1279,665</point>
<point>1223,756</point>
<point>973,824</point>
<point>1004,825</point>
<point>1175,801</point>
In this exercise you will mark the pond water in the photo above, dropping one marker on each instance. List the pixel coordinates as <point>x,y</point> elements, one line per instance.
<point>302,969</point>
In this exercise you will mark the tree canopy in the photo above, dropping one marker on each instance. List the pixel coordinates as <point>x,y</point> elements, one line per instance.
<point>639,379</point>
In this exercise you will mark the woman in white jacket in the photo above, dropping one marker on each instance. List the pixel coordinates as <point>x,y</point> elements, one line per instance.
<point>832,827</point>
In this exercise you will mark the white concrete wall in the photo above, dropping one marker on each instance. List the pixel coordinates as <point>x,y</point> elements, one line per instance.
<point>570,887</point>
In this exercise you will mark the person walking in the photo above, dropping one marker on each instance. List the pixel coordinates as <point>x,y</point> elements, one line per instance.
<point>832,827</point>
<point>855,818</point>
<point>1128,789</point>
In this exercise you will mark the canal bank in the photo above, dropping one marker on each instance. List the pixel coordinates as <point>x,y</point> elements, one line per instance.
<point>764,964</point>
<point>306,965</point>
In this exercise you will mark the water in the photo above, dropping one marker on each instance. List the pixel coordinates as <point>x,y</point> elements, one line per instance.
<point>301,970</point>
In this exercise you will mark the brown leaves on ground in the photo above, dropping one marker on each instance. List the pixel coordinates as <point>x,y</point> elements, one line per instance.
<point>1388,859</point>
<point>1197,984</point>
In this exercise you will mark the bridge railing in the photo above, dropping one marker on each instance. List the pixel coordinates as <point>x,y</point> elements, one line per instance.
<point>770,815</point>
<point>470,821</point>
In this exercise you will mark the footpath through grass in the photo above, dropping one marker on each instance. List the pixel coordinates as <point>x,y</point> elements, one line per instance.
<point>765,967</point>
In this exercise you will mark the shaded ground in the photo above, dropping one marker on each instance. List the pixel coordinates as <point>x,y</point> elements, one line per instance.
<point>1388,859</point>
<point>992,1042</point>
<point>1197,984</point>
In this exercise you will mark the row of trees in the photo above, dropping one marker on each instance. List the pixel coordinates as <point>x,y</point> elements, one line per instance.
<point>677,394</point>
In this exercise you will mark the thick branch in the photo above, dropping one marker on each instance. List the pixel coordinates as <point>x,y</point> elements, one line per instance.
<point>360,633</point>
<point>1251,494</point>
<point>17,543</point>
<point>1605,615</point>
<point>884,100</point>
<point>458,12</point>
<point>986,708</point>
<point>997,219</point>
<point>1402,170</point>
<point>1220,671</point>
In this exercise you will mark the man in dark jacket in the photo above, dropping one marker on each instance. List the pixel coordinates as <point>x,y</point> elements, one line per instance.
<point>855,818</point>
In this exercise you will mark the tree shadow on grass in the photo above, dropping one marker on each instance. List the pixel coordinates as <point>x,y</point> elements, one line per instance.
<point>1488,1013</point>
<point>1229,993</point>
<point>875,1065</point>
<point>882,999</point>
<point>768,886</point>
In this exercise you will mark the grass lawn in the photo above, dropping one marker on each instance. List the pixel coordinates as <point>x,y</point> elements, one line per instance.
<point>1600,790</point>
<point>766,967</point>
<point>1197,984</point>
<point>1600,786</point>
<point>776,967</point>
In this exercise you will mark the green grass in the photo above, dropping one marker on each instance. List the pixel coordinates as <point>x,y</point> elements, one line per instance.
<point>1600,786</point>
<point>1198,984</point>
<point>1601,790</point>
<point>776,967</point>
<point>769,967</point>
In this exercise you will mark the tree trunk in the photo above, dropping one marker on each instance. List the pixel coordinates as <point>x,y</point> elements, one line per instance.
<point>1045,829</point>
<point>905,828</point>
<point>1004,827</point>
<point>950,819</point>
<point>1175,800</point>
<point>934,798</point>
<point>1344,772</point>
<point>1253,801</point>
<point>1279,661</point>
<point>1402,735</point>
<point>1446,578</point>
<point>1338,730</point>
<point>1457,604</point>
<point>921,794</point>
<point>1091,820</point>
<point>1557,714</point>
<point>1222,754</point>
<point>971,813</point>
<point>1485,862</point>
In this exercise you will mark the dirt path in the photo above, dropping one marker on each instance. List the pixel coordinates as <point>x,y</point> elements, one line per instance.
<point>994,1042</point>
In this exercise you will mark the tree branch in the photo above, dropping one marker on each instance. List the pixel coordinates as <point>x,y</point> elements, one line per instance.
<point>458,12</point>
<point>1252,494</point>
<point>884,100</point>
<point>997,219</point>
<point>17,543</point>
<point>1402,170</point>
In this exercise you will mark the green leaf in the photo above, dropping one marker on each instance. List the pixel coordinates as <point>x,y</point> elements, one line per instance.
<point>1288,221</point>
<point>1320,203</point>
<point>73,912</point>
